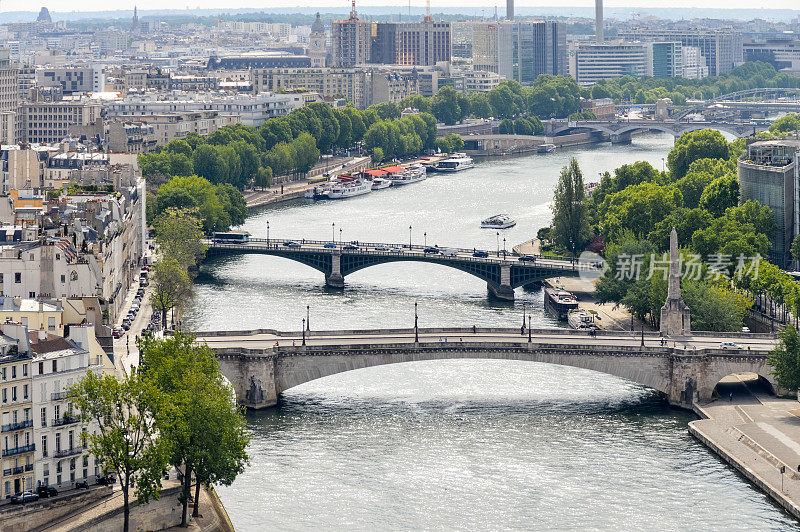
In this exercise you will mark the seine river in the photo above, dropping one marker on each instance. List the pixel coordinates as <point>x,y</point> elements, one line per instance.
<point>456,444</point>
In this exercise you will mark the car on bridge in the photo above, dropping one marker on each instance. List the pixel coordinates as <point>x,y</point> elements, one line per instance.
<point>350,246</point>
<point>730,345</point>
<point>291,244</point>
<point>381,248</point>
<point>329,245</point>
<point>480,254</point>
<point>433,250</point>
<point>527,258</point>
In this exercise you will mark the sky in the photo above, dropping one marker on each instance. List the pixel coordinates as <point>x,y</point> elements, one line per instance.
<point>95,5</point>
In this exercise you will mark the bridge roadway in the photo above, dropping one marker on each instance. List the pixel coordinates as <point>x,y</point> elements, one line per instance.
<point>502,271</point>
<point>263,364</point>
<point>620,129</point>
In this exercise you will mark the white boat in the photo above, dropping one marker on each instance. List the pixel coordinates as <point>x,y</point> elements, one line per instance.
<point>379,183</point>
<point>412,174</point>
<point>498,221</point>
<point>581,319</point>
<point>318,192</point>
<point>349,188</point>
<point>455,163</point>
<point>546,148</point>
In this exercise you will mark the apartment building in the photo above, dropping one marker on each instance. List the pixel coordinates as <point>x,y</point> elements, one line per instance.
<point>351,42</point>
<point>73,79</point>
<point>48,122</point>
<point>422,43</point>
<point>9,82</point>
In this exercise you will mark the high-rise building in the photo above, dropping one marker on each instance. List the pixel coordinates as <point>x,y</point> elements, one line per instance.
<point>9,82</point>
<point>520,50</point>
<point>722,48</point>
<point>598,21</point>
<point>666,60</point>
<point>695,65</point>
<point>591,62</point>
<point>768,173</point>
<point>412,43</point>
<point>351,41</point>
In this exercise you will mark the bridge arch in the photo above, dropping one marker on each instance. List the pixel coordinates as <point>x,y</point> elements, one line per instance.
<point>735,96</point>
<point>676,129</point>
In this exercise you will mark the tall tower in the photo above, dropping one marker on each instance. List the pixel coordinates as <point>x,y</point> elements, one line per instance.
<point>510,9</point>
<point>675,315</point>
<point>316,45</point>
<point>135,22</point>
<point>598,20</point>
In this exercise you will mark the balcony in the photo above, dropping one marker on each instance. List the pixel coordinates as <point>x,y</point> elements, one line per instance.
<point>19,450</point>
<point>58,396</point>
<point>65,420</point>
<point>19,425</point>
<point>67,452</point>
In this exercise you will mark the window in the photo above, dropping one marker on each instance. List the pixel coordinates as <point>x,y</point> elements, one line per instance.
<point>58,257</point>
<point>13,372</point>
<point>57,409</point>
<point>24,370</point>
<point>32,295</point>
<point>44,448</point>
<point>1,277</point>
<point>25,391</point>
<point>5,395</point>
<point>44,416</point>
<point>17,277</point>
<point>14,393</point>
<point>58,446</point>
<point>41,368</point>
<point>55,366</point>
<point>51,323</point>
<point>63,278</point>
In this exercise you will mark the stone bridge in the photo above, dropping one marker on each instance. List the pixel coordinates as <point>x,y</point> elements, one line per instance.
<point>619,130</point>
<point>263,364</point>
<point>501,271</point>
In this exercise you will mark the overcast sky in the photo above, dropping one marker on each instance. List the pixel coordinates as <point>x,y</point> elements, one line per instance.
<point>95,5</point>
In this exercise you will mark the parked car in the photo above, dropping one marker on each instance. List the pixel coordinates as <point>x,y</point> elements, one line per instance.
<point>396,250</point>
<point>143,282</point>
<point>431,250</point>
<point>291,244</point>
<point>106,480</point>
<point>24,497</point>
<point>480,254</point>
<point>126,325</point>
<point>329,245</point>
<point>46,491</point>
<point>82,484</point>
<point>117,333</point>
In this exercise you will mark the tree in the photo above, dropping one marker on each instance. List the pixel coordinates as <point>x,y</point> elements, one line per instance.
<point>263,177</point>
<point>694,145</point>
<point>636,209</point>
<point>126,442</point>
<point>570,215</point>
<point>720,194</point>
<point>445,106</point>
<point>713,307</point>
<point>785,358</point>
<point>479,105</point>
<point>377,155</point>
<point>197,418</point>
<point>206,162</point>
<point>796,248</point>
<point>180,236</point>
<point>692,186</point>
<point>172,287</point>
<point>196,192</point>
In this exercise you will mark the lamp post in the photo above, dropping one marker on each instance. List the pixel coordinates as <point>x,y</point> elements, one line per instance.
<point>409,238</point>
<point>333,232</point>
<point>498,244</point>
<point>304,331</point>
<point>340,236</point>
<point>425,239</point>
<point>267,232</point>
<point>529,329</point>
<point>523,315</point>
<point>642,333</point>
<point>308,317</point>
<point>416,324</point>
<point>504,247</point>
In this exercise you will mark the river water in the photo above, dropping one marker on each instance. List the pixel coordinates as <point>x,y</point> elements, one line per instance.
<point>457,444</point>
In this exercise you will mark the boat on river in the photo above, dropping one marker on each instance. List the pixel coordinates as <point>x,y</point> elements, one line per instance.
<point>405,176</point>
<point>455,163</point>
<point>546,148</point>
<point>379,183</point>
<point>348,187</point>
<point>559,302</point>
<point>498,221</point>
<point>581,319</point>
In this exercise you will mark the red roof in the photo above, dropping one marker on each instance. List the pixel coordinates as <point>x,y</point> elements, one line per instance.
<point>375,172</point>
<point>392,169</point>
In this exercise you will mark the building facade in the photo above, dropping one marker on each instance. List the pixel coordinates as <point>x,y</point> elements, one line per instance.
<point>47,122</point>
<point>422,43</point>
<point>351,42</point>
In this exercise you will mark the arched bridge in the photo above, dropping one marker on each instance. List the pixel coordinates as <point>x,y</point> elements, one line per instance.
<point>502,272</point>
<point>763,92</point>
<point>263,364</point>
<point>620,130</point>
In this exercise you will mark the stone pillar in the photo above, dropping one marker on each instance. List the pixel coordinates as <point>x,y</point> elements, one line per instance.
<point>252,377</point>
<point>621,138</point>
<point>675,315</point>
<point>503,290</point>
<point>335,279</point>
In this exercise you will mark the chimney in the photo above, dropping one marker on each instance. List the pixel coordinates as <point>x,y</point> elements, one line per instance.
<point>42,335</point>
<point>510,9</point>
<point>598,20</point>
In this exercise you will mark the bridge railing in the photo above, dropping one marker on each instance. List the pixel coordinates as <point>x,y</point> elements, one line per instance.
<point>414,251</point>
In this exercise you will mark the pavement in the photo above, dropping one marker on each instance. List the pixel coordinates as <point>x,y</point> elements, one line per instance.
<point>609,316</point>
<point>126,353</point>
<point>757,433</point>
<point>266,340</point>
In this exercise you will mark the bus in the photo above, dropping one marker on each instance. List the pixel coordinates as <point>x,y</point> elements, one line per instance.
<point>236,237</point>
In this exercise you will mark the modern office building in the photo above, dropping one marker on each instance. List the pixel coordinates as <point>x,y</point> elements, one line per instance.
<point>351,41</point>
<point>695,65</point>
<point>9,82</point>
<point>768,173</point>
<point>722,48</point>
<point>72,79</point>
<point>666,59</point>
<point>520,50</point>
<point>422,43</point>
<point>591,61</point>
<point>50,121</point>
<point>783,54</point>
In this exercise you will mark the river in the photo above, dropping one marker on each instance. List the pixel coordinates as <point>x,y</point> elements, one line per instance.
<point>457,444</point>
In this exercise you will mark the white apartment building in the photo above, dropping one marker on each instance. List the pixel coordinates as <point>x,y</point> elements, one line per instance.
<point>695,65</point>
<point>47,122</point>
<point>72,79</point>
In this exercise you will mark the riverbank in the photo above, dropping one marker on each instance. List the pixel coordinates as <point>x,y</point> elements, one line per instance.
<point>758,434</point>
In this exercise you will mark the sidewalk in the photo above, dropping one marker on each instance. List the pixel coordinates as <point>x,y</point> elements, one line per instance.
<point>757,433</point>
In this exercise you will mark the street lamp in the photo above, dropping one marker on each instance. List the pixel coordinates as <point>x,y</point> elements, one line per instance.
<point>529,329</point>
<point>304,331</point>
<point>642,333</point>
<point>425,239</point>
<point>504,247</point>
<point>340,235</point>
<point>267,232</point>
<point>333,232</point>
<point>416,324</point>
<point>498,243</point>
<point>409,238</point>
<point>308,317</point>
<point>523,315</point>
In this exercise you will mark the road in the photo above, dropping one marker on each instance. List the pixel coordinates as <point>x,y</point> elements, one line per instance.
<point>566,337</point>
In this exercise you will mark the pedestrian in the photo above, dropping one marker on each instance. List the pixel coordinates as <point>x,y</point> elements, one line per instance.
<point>474,330</point>
<point>522,330</point>
<point>731,396</point>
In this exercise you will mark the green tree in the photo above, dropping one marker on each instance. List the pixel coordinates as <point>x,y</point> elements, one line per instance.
<point>263,178</point>
<point>570,228</point>
<point>637,209</point>
<point>692,186</point>
<point>195,192</point>
<point>785,358</point>
<point>720,194</point>
<point>180,236</point>
<point>479,105</point>
<point>713,307</point>
<point>126,442</point>
<point>445,106</point>
<point>796,248</point>
<point>377,155</point>
<point>206,162</point>
<point>786,123</point>
<point>171,287</point>
<point>198,417</point>
<point>694,145</point>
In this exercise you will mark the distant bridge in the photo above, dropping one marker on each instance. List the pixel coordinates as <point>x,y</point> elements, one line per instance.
<point>263,364</point>
<point>502,271</point>
<point>620,129</point>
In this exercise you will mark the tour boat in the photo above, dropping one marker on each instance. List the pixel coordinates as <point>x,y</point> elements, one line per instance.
<point>546,148</point>
<point>317,193</point>
<point>404,176</point>
<point>498,221</point>
<point>559,302</point>
<point>379,183</point>
<point>581,319</point>
<point>347,187</point>
<point>455,163</point>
